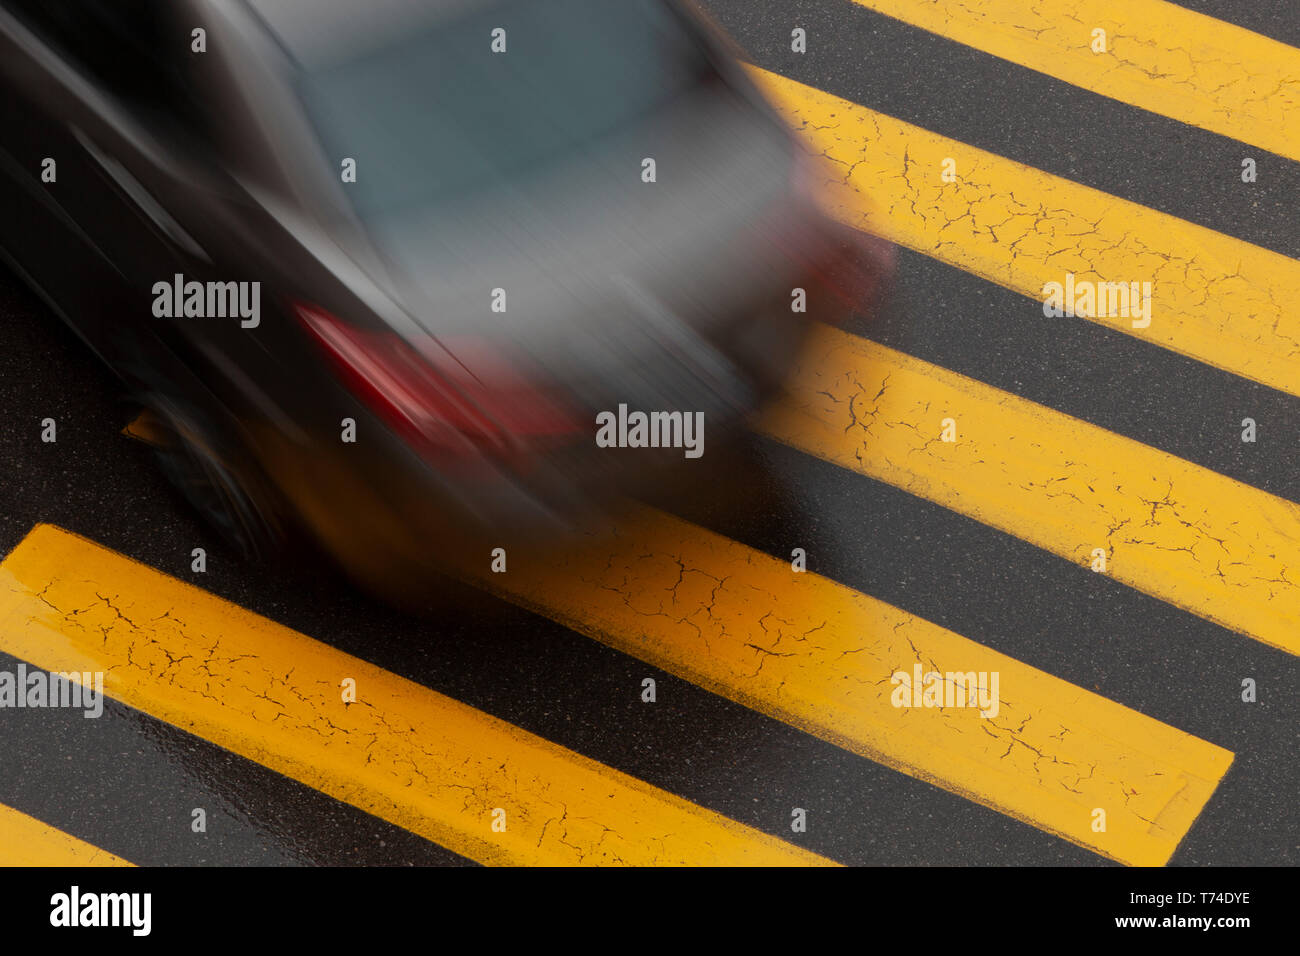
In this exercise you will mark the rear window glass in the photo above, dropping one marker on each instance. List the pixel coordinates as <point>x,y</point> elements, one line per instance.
<point>434,112</point>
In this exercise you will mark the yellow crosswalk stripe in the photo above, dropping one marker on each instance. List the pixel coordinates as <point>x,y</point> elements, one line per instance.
<point>400,751</point>
<point>1216,299</point>
<point>822,657</point>
<point>26,841</point>
<point>1157,56</point>
<point>1177,531</point>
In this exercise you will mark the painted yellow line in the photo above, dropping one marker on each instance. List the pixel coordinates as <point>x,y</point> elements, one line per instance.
<point>400,751</point>
<point>26,841</point>
<point>1179,532</point>
<point>1158,56</point>
<point>1216,299</point>
<point>820,656</point>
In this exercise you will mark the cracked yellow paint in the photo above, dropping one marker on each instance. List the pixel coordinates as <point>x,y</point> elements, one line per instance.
<point>1216,299</point>
<point>401,752</point>
<point>1179,532</point>
<point>26,841</point>
<point>1160,57</point>
<point>819,656</point>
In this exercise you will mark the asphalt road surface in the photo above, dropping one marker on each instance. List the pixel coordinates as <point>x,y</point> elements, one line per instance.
<point>1121,689</point>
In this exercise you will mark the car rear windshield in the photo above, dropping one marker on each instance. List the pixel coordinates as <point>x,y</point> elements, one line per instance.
<point>434,112</point>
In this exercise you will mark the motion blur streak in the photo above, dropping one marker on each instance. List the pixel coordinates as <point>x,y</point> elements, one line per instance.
<point>474,227</point>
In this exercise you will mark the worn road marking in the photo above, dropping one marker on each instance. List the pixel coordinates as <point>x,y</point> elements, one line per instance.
<point>26,841</point>
<point>1216,299</point>
<point>819,656</point>
<point>1159,56</point>
<point>402,752</point>
<point>1177,531</point>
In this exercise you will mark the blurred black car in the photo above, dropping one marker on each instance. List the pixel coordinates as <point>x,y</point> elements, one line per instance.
<point>458,252</point>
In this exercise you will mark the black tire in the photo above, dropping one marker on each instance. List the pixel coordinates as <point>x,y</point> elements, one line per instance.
<point>226,488</point>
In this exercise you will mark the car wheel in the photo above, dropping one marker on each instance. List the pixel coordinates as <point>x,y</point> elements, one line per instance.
<point>230,494</point>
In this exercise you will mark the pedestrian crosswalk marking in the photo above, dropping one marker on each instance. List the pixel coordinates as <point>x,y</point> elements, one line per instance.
<point>1177,531</point>
<point>26,841</point>
<point>401,752</point>
<point>1157,56</point>
<point>1219,300</point>
<point>823,657</point>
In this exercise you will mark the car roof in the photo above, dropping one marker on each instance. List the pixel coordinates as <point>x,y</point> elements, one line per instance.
<point>317,33</point>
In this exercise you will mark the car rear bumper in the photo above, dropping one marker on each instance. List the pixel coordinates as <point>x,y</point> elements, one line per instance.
<point>399,524</point>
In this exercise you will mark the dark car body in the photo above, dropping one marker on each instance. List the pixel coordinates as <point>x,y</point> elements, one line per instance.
<point>476,174</point>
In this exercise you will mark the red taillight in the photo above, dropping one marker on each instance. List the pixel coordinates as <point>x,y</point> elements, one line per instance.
<point>496,386</point>
<point>429,397</point>
<point>854,267</point>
